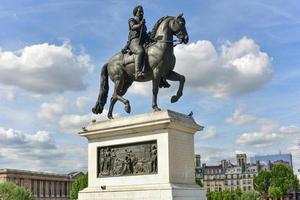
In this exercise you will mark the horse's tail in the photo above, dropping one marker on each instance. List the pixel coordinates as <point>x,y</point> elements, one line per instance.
<point>104,87</point>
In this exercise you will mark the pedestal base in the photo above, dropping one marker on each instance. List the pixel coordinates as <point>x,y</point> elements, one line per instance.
<point>145,192</point>
<point>142,157</point>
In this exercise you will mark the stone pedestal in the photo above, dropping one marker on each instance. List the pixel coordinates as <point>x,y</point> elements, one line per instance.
<point>173,135</point>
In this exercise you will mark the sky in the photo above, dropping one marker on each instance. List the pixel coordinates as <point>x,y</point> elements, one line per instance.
<point>241,67</point>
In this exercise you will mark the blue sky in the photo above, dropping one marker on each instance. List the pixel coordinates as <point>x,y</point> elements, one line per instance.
<point>242,77</point>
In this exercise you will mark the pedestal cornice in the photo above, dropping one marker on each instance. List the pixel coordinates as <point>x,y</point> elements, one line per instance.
<point>144,122</point>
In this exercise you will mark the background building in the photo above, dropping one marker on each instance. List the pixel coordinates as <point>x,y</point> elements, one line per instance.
<point>230,176</point>
<point>273,159</point>
<point>240,175</point>
<point>198,166</point>
<point>44,186</point>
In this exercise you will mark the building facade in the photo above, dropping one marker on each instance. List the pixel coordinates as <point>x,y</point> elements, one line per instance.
<point>267,161</point>
<point>44,186</point>
<point>230,176</point>
<point>240,175</point>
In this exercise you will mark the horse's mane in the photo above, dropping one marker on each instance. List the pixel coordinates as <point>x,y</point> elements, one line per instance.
<point>155,27</point>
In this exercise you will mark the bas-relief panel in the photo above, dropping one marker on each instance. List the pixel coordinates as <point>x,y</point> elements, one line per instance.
<point>127,159</point>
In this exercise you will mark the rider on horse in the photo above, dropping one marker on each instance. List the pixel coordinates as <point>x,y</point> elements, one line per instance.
<point>136,39</point>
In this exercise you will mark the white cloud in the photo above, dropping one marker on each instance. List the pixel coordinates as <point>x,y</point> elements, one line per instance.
<point>144,88</point>
<point>7,92</point>
<point>289,130</point>
<point>269,131</point>
<point>17,139</point>
<point>62,114</point>
<point>239,69</point>
<point>209,132</point>
<point>258,139</point>
<point>214,155</point>
<point>240,119</point>
<point>38,151</point>
<point>44,68</point>
<point>81,102</point>
<point>295,151</point>
<point>73,123</point>
<point>51,111</point>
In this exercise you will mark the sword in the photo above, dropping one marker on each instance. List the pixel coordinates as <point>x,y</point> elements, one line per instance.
<point>141,31</point>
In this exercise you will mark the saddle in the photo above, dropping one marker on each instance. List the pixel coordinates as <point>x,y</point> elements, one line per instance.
<point>128,57</point>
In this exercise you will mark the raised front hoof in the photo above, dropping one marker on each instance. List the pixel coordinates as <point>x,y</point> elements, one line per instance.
<point>127,108</point>
<point>174,99</point>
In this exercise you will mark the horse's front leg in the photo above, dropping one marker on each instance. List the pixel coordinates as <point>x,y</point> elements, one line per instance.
<point>155,88</point>
<point>173,76</point>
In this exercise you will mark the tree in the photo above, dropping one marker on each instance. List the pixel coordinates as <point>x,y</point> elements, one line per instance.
<point>199,182</point>
<point>78,185</point>
<point>277,182</point>
<point>226,195</point>
<point>262,183</point>
<point>250,195</point>
<point>238,192</point>
<point>282,180</point>
<point>275,192</point>
<point>10,191</point>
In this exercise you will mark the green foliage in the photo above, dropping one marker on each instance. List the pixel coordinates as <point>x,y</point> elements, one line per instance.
<point>225,195</point>
<point>78,185</point>
<point>277,182</point>
<point>10,191</point>
<point>283,179</point>
<point>214,195</point>
<point>275,192</point>
<point>198,182</point>
<point>238,192</point>
<point>250,195</point>
<point>262,182</point>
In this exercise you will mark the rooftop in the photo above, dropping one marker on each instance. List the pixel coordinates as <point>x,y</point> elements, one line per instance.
<point>18,171</point>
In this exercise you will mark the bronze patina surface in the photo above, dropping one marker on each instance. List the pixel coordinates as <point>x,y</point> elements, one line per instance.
<point>127,159</point>
<point>146,57</point>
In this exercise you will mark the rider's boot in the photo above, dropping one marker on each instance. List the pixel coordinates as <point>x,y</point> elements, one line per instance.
<point>139,74</point>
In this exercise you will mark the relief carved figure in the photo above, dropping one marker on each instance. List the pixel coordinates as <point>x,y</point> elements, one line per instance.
<point>131,159</point>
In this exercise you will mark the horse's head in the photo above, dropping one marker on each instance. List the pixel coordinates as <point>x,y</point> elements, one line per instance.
<point>177,25</point>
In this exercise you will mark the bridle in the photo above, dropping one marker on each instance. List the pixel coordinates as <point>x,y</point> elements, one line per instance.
<point>159,38</point>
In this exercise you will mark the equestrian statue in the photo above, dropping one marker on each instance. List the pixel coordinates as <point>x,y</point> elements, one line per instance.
<point>145,57</point>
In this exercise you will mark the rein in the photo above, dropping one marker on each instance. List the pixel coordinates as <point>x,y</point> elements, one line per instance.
<point>159,39</point>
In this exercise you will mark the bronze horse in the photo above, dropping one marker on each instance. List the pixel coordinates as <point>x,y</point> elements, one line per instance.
<point>159,64</point>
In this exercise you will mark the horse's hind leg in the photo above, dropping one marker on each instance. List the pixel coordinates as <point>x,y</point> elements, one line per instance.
<point>173,76</point>
<point>119,85</point>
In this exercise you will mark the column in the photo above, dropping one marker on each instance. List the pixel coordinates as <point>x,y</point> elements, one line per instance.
<point>57,189</point>
<point>34,188</point>
<point>41,189</point>
<point>46,188</point>
<point>63,191</point>
<point>52,189</point>
<point>68,189</point>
